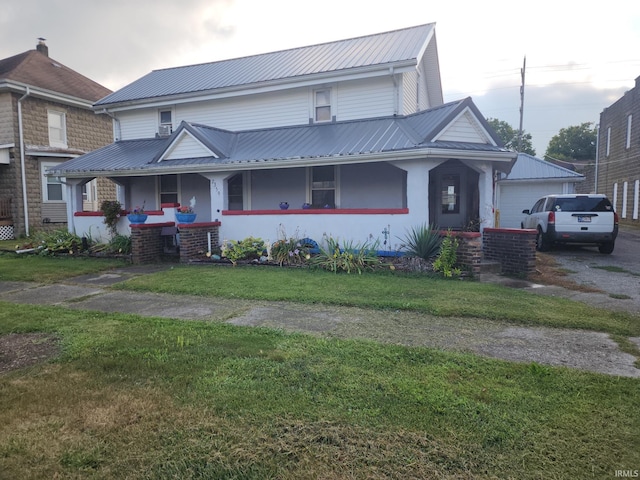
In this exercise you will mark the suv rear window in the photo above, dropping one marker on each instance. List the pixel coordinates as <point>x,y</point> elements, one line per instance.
<point>582,204</point>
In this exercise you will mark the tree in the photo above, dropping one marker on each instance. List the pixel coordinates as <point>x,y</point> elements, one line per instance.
<point>577,142</point>
<point>509,136</point>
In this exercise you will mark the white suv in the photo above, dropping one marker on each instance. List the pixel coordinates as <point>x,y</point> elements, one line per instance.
<point>586,219</point>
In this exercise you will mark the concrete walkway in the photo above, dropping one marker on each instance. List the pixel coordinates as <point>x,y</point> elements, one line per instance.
<point>591,351</point>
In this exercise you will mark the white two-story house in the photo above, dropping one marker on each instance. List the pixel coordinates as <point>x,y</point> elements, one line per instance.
<point>356,129</point>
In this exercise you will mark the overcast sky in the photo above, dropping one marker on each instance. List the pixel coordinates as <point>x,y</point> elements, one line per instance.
<point>580,59</point>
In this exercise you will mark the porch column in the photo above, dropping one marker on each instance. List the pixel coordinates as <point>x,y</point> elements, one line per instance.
<point>217,193</point>
<point>485,188</point>
<point>417,189</point>
<point>74,200</point>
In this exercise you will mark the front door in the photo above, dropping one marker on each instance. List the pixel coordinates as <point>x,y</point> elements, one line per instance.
<point>453,195</point>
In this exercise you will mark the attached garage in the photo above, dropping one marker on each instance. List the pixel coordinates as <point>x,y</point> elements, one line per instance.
<point>530,179</point>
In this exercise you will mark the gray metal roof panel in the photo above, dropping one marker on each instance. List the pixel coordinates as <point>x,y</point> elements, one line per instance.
<point>530,167</point>
<point>378,49</point>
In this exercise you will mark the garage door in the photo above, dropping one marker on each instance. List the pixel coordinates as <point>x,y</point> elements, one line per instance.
<point>515,197</point>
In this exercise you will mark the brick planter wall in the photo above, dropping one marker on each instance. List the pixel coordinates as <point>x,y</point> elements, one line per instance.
<point>514,249</point>
<point>194,242</point>
<point>147,244</point>
<point>469,250</point>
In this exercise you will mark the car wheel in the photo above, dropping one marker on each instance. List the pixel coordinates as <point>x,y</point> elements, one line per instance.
<point>606,247</point>
<point>542,245</point>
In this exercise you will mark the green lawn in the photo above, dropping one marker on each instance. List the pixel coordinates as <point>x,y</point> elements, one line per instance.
<point>133,397</point>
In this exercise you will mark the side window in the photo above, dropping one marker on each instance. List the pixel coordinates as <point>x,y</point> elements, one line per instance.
<point>57,128</point>
<point>322,105</point>
<point>323,187</point>
<point>235,192</point>
<point>52,187</point>
<point>537,207</point>
<point>168,189</point>
<point>165,125</point>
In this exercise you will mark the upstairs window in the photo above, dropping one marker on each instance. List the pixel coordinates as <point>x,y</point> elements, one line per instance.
<point>628,144</point>
<point>165,126</point>
<point>608,146</point>
<point>322,105</point>
<point>57,129</point>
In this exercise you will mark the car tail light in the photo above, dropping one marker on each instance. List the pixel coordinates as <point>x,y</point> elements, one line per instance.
<point>552,217</point>
<point>615,218</point>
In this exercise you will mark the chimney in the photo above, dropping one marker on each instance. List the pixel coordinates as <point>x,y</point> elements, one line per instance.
<point>42,47</point>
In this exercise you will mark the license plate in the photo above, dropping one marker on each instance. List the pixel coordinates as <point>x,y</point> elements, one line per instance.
<point>584,219</point>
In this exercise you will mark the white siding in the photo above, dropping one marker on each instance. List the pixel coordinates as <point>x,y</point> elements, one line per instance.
<point>409,92</point>
<point>138,124</point>
<point>430,74</point>
<point>188,147</point>
<point>366,98</point>
<point>463,129</point>
<point>515,197</point>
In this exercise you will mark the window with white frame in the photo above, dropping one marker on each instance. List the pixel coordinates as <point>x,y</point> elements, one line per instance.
<point>608,146</point>
<point>235,192</point>
<point>168,189</point>
<point>53,190</point>
<point>628,144</point>
<point>324,186</point>
<point>57,129</point>
<point>165,122</point>
<point>322,105</point>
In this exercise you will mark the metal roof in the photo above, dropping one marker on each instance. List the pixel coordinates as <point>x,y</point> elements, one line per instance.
<point>388,48</point>
<point>528,167</point>
<point>328,142</point>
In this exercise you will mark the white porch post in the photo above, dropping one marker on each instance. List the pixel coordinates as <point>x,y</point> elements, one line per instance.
<point>417,189</point>
<point>485,187</point>
<point>74,201</point>
<point>217,190</point>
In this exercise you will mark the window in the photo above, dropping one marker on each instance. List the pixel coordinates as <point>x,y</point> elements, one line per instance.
<point>57,129</point>
<point>323,187</point>
<point>451,193</point>
<point>629,118</point>
<point>235,192</point>
<point>322,105</point>
<point>165,122</point>
<point>52,187</point>
<point>608,146</point>
<point>168,189</point>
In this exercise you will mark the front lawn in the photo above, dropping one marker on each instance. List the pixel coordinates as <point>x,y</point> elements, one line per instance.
<point>133,397</point>
<point>435,296</point>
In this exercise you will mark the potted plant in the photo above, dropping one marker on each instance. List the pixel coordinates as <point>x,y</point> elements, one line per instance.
<point>284,205</point>
<point>137,215</point>
<point>185,214</point>
<point>306,206</point>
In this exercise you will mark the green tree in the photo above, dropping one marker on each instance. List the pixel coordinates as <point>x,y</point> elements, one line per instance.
<point>509,136</point>
<point>577,142</point>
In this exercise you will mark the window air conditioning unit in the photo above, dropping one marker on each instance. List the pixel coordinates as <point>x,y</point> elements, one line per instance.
<point>164,130</point>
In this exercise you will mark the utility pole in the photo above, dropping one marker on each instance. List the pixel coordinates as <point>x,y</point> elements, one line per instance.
<point>522,71</point>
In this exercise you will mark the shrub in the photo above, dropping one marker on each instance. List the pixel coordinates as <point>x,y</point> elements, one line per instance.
<point>120,244</point>
<point>57,241</point>
<point>423,241</point>
<point>448,256</point>
<point>290,251</point>
<point>111,209</point>
<point>246,249</point>
<point>348,258</point>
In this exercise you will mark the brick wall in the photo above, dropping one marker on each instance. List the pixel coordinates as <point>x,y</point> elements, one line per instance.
<point>621,165</point>
<point>514,249</point>
<point>194,242</point>
<point>147,244</point>
<point>469,252</point>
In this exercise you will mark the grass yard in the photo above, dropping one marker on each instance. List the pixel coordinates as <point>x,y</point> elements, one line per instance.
<point>147,398</point>
<point>133,397</point>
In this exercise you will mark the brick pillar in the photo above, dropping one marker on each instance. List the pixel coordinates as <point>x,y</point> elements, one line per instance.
<point>147,243</point>
<point>194,240</point>
<point>514,248</point>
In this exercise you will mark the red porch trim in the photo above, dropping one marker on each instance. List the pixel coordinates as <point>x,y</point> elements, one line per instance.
<point>322,211</point>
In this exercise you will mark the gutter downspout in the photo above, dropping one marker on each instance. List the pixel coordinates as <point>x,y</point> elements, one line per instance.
<point>117,134</point>
<point>22,164</point>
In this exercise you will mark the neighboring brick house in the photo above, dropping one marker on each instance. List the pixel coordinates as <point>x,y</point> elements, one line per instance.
<point>46,118</point>
<point>618,166</point>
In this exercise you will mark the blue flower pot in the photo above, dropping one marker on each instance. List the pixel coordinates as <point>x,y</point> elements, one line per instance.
<point>284,205</point>
<point>137,218</point>
<point>185,217</point>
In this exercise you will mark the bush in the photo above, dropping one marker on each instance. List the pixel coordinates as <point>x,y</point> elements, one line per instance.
<point>348,258</point>
<point>120,244</point>
<point>246,249</point>
<point>448,256</point>
<point>423,241</point>
<point>57,241</point>
<point>290,251</point>
<point>111,209</point>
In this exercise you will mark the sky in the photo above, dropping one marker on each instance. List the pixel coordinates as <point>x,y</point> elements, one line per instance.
<point>579,59</point>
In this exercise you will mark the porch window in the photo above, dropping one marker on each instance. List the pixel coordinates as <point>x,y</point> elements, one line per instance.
<point>169,189</point>
<point>235,192</point>
<point>322,105</point>
<point>451,193</point>
<point>52,187</point>
<point>323,187</point>
<point>57,129</point>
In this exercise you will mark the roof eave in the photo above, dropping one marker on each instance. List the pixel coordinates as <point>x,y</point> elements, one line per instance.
<point>20,87</point>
